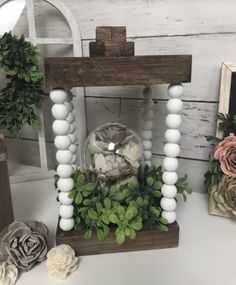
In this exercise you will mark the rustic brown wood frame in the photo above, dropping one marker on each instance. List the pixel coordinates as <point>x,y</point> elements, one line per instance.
<point>117,71</point>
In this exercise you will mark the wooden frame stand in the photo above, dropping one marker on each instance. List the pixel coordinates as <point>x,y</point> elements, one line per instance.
<point>146,239</point>
<point>112,63</point>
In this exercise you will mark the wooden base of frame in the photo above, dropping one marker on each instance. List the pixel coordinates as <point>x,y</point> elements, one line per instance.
<point>146,239</point>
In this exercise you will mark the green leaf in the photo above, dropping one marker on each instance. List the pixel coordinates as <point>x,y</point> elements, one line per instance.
<point>114,219</point>
<point>132,234</point>
<point>162,228</point>
<point>88,187</point>
<point>137,225</point>
<point>150,181</point>
<point>121,210</point>
<point>100,234</point>
<point>81,180</point>
<point>105,191</point>
<point>87,202</point>
<point>163,221</point>
<point>78,198</point>
<point>71,194</point>
<point>157,185</point>
<point>88,234</point>
<point>107,203</point>
<point>92,214</point>
<point>120,236</point>
<point>157,194</point>
<point>129,214</point>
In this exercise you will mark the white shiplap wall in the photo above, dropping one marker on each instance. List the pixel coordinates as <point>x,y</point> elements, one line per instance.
<point>204,28</point>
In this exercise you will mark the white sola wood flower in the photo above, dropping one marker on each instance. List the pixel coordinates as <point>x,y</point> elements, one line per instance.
<point>61,261</point>
<point>8,274</point>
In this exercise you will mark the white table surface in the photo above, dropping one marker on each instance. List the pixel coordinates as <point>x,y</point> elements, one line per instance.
<point>206,254</point>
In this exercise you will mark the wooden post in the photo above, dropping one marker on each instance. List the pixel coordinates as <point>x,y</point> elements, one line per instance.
<point>6,209</point>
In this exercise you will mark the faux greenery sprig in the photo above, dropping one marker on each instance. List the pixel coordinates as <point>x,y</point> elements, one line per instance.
<point>20,99</point>
<point>100,208</point>
<point>227,124</point>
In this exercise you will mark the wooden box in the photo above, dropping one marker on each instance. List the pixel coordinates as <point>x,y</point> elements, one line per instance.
<point>146,239</point>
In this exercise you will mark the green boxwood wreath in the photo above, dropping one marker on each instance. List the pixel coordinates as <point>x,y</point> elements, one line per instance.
<point>20,98</point>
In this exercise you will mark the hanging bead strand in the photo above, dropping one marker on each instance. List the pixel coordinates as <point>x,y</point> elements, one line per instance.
<point>147,125</point>
<point>63,141</point>
<point>172,151</point>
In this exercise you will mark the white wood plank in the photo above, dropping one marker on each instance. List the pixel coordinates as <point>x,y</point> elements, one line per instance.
<point>146,18</point>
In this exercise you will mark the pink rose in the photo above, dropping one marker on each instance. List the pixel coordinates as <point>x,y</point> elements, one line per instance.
<point>226,153</point>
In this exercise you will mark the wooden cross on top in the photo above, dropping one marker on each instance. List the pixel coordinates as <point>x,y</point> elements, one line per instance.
<point>111,41</point>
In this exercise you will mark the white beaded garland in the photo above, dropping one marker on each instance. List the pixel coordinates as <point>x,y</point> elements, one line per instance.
<point>64,170</point>
<point>69,106</point>
<point>147,114</point>
<point>72,138</point>
<point>169,216</point>
<point>174,105</point>
<point>64,156</point>
<point>148,163</point>
<point>172,135</point>
<point>66,211</point>
<point>147,145</point>
<point>173,121</point>
<point>70,118</point>
<point>72,128</point>
<point>65,184</point>
<point>58,96</point>
<point>73,159</point>
<point>73,148</point>
<point>66,224</point>
<point>60,127</point>
<point>62,142</point>
<point>168,204</point>
<point>171,149</point>
<point>64,199</point>
<point>175,90</point>
<point>147,154</point>
<point>59,111</point>
<point>168,191</point>
<point>170,163</point>
<point>147,124</point>
<point>169,178</point>
<point>147,135</point>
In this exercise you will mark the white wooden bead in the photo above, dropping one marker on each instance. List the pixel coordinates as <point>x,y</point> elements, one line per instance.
<point>148,103</point>
<point>148,124</point>
<point>73,159</point>
<point>72,128</point>
<point>172,135</point>
<point>58,96</point>
<point>73,148</point>
<point>66,224</point>
<point>70,96</point>
<point>64,170</point>
<point>147,92</point>
<point>147,155</point>
<point>70,118</point>
<point>170,163</point>
<point>168,204</point>
<point>69,106</point>
<point>64,199</point>
<point>173,121</point>
<point>148,163</point>
<point>66,211</point>
<point>65,184</point>
<point>147,145</point>
<point>72,138</point>
<point>62,142</point>
<point>168,191</point>
<point>64,156</point>
<point>171,149</point>
<point>147,135</point>
<point>169,216</point>
<point>175,90</point>
<point>60,127</point>
<point>169,178</point>
<point>174,105</point>
<point>59,111</point>
<point>147,114</point>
